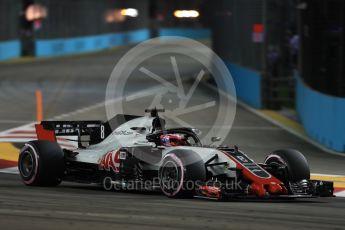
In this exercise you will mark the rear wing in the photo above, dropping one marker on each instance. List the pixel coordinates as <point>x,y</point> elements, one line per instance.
<point>50,130</point>
<point>89,132</point>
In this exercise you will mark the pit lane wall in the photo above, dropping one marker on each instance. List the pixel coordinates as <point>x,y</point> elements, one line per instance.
<point>323,116</point>
<point>75,45</point>
<point>186,32</point>
<point>9,49</point>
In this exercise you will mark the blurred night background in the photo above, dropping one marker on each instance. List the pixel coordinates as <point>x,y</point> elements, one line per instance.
<point>286,55</point>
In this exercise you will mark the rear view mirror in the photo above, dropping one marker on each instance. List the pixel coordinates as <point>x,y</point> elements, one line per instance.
<point>215,139</point>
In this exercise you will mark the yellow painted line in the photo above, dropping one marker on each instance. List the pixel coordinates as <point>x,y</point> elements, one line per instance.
<point>8,152</point>
<point>295,126</point>
<point>20,60</point>
<point>339,184</point>
<point>76,55</point>
<point>339,181</point>
<point>331,178</point>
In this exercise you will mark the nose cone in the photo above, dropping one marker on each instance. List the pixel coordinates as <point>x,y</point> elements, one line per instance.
<point>258,189</point>
<point>262,190</point>
<point>274,188</point>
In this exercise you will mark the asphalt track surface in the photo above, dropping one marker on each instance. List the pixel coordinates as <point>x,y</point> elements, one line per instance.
<point>73,206</point>
<point>76,82</point>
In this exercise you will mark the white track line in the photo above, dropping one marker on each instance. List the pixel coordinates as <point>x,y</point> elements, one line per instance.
<point>14,122</point>
<point>139,94</point>
<point>10,137</point>
<point>340,194</point>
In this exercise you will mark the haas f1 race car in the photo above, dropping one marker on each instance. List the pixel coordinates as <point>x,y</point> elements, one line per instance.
<point>133,152</point>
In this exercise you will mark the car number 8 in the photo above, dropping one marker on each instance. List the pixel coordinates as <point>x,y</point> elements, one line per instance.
<point>102,131</point>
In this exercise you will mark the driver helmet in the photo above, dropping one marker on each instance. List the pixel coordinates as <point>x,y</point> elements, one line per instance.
<point>173,140</point>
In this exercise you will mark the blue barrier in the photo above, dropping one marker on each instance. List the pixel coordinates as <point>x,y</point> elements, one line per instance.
<point>9,49</point>
<point>136,36</point>
<point>75,45</point>
<point>63,46</point>
<point>323,116</point>
<point>247,83</point>
<point>185,32</point>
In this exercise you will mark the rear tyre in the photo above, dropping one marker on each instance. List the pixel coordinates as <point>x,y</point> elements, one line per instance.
<point>180,173</point>
<point>296,165</point>
<point>41,163</point>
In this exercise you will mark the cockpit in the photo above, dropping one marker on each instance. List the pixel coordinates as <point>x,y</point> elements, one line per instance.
<point>174,137</point>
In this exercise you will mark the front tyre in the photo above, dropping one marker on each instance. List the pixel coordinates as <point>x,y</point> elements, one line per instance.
<point>41,163</point>
<point>295,164</point>
<point>180,173</point>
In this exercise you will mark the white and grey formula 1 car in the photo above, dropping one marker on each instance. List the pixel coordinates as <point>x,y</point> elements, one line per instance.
<point>139,153</point>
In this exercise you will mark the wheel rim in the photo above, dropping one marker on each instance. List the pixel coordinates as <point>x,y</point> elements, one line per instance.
<point>276,162</point>
<point>27,164</point>
<point>170,176</point>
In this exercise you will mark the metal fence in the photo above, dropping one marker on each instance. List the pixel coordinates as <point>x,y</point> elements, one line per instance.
<point>321,27</point>
<point>232,22</point>
<point>249,32</point>
<point>87,17</point>
<point>256,34</point>
<point>80,18</point>
<point>9,19</point>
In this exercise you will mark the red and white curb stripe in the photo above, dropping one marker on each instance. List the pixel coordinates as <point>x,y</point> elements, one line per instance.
<point>27,133</point>
<point>338,180</point>
<point>24,134</point>
<point>339,192</point>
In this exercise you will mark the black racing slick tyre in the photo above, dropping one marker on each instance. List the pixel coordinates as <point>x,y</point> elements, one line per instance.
<point>41,163</point>
<point>297,167</point>
<point>180,173</point>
